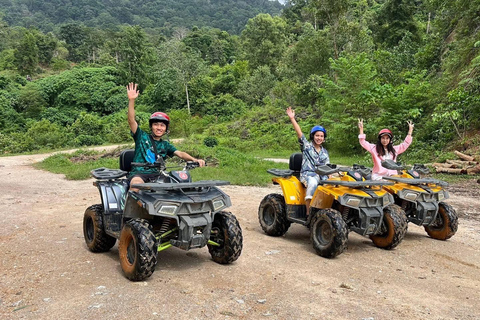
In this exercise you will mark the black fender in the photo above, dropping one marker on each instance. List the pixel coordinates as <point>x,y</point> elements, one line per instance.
<point>113,194</point>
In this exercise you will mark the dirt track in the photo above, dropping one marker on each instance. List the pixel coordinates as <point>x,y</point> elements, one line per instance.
<point>47,272</point>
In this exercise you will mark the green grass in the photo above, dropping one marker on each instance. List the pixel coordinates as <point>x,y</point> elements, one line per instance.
<point>61,163</point>
<point>222,164</point>
<point>454,178</point>
<point>247,169</point>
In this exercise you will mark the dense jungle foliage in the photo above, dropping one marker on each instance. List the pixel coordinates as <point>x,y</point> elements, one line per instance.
<point>156,16</point>
<point>387,61</point>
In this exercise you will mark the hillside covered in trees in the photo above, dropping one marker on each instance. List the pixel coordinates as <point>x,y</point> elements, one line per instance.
<point>386,61</point>
<point>154,15</point>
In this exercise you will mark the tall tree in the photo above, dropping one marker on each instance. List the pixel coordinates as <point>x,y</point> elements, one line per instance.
<point>135,55</point>
<point>175,55</point>
<point>26,54</point>
<point>74,36</point>
<point>394,20</point>
<point>264,40</point>
<point>331,13</point>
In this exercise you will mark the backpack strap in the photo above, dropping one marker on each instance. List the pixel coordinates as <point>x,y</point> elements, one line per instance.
<point>152,141</point>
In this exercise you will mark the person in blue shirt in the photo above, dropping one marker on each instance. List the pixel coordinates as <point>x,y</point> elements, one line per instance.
<point>314,154</point>
<point>150,146</point>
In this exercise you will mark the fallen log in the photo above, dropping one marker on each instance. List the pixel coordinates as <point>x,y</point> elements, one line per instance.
<point>464,156</point>
<point>450,170</point>
<point>474,170</point>
<point>445,165</point>
<point>462,162</point>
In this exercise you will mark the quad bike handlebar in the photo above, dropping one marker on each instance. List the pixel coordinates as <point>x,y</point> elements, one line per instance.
<point>392,165</point>
<point>326,170</point>
<point>364,171</point>
<point>109,174</point>
<point>160,165</point>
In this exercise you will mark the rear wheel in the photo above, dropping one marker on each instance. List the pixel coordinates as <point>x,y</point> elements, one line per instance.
<point>445,224</point>
<point>138,250</point>
<point>94,232</point>
<point>329,233</point>
<point>393,229</point>
<point>226,232</point>
<point>272,215</point>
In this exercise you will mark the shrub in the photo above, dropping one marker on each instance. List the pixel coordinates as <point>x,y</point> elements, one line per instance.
<point>88,140</point>
<point>210,142</point>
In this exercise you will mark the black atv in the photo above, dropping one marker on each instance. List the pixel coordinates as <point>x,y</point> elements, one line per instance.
<point>173,211</point>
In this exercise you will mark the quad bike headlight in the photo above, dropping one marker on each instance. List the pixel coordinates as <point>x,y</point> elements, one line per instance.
<point>353,202</point>
<point>411,196</point>
<point>386,200</point>
<point>217,204</point>
<point>441,195</point>
<point>168,209</point>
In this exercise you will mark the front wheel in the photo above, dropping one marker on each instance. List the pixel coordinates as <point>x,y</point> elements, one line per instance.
<point>138,250</point>
<point>329,233</point>
<point>445,224</point>
<point>94,231</point>
<point>227,235</point>
<point>393,229</point>
<point>272,215</point>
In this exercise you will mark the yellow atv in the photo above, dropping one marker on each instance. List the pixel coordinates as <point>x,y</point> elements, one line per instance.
<point>422,200</point>
<point>346,202</point>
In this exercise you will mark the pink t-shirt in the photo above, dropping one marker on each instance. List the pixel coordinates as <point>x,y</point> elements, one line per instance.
<point>378,171</point>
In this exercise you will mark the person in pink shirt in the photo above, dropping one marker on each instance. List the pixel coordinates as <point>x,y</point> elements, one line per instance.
<point>384,149</point>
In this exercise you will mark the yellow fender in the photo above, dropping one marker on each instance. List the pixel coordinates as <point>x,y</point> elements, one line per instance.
<point>293,190</point>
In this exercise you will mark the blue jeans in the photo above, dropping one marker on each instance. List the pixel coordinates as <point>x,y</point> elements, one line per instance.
<point>312,183</point>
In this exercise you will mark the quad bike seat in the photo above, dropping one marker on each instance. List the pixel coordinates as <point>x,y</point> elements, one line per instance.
<point>126,158</point>
<point>295,163</point>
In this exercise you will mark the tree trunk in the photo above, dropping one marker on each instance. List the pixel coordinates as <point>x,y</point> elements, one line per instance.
<point>188,100</point>
<point>428,23</point>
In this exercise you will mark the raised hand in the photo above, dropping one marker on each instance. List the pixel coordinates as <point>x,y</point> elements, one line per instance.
<point>290,112</point>
<point>410,127</point>
<point>360,125</point>
<point>132,91</point>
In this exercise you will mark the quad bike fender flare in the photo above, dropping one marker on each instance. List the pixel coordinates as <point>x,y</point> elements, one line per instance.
<point>293,190</point>
<point>135,208</point>
<point>340,191</point>
<point>113,195</point>
<point>398,187</point>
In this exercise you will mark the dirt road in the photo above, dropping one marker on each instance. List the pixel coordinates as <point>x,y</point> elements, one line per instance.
<point>46,272</point>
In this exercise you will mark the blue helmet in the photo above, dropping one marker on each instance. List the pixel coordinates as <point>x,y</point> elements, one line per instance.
<point>318,128</point>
